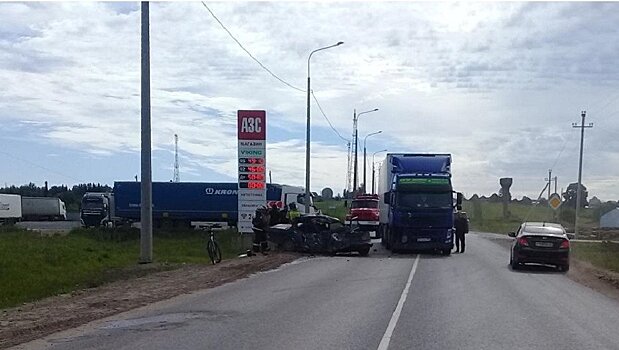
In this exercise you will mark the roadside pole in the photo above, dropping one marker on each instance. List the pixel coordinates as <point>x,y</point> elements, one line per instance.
<point>582,127</point>
<point>146,209</point>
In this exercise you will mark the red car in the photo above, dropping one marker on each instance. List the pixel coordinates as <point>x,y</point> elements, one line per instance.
<point>364,213</point>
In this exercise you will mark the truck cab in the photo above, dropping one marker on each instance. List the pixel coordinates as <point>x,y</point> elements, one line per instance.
<point>417,207</point>
<point>364,213</point>
<point>96,209</point>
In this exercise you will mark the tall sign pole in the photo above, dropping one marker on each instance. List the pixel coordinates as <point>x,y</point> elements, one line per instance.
<point>252,192</point>
<point>582,127</point>
<point>146,208</point>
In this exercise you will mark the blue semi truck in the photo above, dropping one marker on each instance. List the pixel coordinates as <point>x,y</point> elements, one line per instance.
<point>417,202</point>
<point>178,203</point>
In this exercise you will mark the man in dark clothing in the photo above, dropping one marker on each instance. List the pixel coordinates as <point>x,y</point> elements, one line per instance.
<point>462,228</point>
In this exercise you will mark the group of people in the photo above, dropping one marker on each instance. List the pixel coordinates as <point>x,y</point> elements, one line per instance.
<point>268,217</point>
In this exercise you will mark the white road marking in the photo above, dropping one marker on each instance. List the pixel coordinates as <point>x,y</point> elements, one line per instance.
<point>384,343</point>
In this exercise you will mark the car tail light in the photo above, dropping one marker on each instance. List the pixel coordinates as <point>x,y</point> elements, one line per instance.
<point>523,241</point>
<point>565,244</point>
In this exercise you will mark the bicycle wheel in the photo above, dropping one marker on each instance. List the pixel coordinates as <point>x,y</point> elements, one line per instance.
<point>212,252</point>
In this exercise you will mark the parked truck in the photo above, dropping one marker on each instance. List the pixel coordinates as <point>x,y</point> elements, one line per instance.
<point>97,209</point>
<point>179,203</point>
<point>43,208</point>
<point>417,202</point>
<point>364,213</point>
<point>10,208</point>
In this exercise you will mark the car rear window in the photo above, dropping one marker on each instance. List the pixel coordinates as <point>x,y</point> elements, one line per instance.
<point>544,229</point>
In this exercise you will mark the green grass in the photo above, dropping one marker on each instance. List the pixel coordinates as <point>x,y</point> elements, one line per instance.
<point>333,208</point>
<point>488,216</point>
<point>603,255</point>
<point>34,266</point>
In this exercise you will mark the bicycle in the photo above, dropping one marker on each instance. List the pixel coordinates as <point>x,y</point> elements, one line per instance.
<point>212,247</point>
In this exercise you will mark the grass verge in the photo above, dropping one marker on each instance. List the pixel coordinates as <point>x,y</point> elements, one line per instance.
<point>604,255</point>
<point>34,266</point>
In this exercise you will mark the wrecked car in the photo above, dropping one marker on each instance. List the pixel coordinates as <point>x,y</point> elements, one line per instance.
<point>319,234</point>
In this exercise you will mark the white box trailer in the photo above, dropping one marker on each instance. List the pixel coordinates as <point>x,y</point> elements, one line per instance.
<point>10,208</point>
<point>43,208</point>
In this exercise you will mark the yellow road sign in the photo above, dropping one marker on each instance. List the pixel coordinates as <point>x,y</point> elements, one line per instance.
<point>555,201</point>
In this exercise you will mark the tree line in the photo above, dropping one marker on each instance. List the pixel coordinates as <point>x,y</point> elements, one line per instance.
<point>70,196</point>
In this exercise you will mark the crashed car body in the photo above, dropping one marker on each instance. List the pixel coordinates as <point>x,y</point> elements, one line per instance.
<point>319,234</point>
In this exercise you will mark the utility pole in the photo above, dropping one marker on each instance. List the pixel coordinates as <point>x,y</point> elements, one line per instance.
<point>549,179</point>
<point>582,127</point>
<point>356,137</point>
<point>348,167</point>
<point>555,180</point>
<point>177,173</point>
<point>146,209</point>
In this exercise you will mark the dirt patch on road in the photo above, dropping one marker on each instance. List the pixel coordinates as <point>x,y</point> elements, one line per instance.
<point>604,281</point>
<point>38,319</point>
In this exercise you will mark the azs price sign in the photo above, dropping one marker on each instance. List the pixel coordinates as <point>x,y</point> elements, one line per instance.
<point>252,166</point>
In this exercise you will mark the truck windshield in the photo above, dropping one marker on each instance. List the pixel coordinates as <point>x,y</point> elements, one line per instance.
<point>364,204</point>
<point>425,200</point>
<point>92,203</point>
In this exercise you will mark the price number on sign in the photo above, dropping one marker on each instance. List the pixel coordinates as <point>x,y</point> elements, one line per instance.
<point>245,177</point>
<point>251,161</point>
<point>251,169</point>
<point>252,185</point>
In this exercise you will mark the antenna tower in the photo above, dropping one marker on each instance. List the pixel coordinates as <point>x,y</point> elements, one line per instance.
<point>177,176</point>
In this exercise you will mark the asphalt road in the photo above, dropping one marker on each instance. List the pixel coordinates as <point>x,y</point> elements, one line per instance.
<point>465,301</point>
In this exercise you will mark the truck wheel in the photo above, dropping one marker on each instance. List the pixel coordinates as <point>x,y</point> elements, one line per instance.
<point>364,251</point>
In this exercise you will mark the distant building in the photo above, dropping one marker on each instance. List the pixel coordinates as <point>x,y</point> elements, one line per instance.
<point>610,219</point>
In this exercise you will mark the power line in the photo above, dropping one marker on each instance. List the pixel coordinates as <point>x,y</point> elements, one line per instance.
<point>249,53</point>
<point>327,119</point>
<point>273,74</point>
<point>42,167</point>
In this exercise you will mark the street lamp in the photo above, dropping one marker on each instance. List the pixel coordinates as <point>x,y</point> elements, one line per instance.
<point>355,118</point>
<point>373,164</point>
<point>365,162</point>
<point>307,139</point>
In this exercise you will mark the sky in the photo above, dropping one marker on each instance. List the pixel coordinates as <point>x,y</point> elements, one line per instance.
<point>497,85</point>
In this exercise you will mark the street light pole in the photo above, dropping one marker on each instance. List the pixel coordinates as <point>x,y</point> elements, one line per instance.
<point>373,173</point>
<point>365,162</point>
<point>307,136</point>
<point>356,133</point>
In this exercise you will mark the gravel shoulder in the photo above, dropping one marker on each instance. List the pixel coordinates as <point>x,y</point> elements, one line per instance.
<point>35,320</point>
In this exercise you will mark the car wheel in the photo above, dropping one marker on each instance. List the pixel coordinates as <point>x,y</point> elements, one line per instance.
<point>287,246</point>
<point>515,264</point>
<point>446,252</point>
<point>563,268</point>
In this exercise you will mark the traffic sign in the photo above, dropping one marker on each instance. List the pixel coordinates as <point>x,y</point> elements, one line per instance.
<point>252,166</point>
<point>554,201</point>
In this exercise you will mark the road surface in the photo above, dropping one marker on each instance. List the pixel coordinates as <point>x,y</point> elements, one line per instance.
<point>465,301</point>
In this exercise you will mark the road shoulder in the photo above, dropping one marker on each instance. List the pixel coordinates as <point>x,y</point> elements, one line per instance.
<point>37,319</point>
<point>603,281</point>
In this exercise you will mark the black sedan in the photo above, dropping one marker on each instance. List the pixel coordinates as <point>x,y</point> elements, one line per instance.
<point>540,243</point>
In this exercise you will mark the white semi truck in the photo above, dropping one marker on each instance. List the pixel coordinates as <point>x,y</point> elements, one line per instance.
<point>10,208</point>
<point>43,208</point>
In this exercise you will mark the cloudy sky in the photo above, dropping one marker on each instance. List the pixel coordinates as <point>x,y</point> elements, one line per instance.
<point>497,85</point>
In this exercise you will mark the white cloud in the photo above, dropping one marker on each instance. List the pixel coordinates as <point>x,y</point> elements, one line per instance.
<point>495,84</point>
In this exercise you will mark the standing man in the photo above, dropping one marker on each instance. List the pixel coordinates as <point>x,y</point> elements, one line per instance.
<point>462,228</point>
<point>293,212</point>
